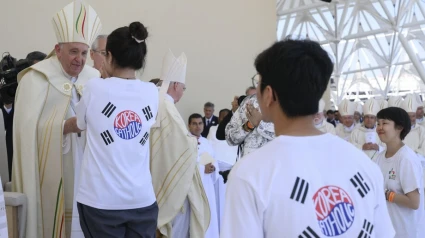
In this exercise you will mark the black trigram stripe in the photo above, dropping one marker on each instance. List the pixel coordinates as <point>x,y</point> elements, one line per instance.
<point>148,113</point>
<point>107,138</point>
<point>360,184</point>
<point>144,139</point>
<point>308,233</point>
<point>299,192</point>
<point>366,232</point>
<point>109,109</point>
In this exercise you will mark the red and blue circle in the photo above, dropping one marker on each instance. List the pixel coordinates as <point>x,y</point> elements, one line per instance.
<point>127,125</point>
<point>334,210</point>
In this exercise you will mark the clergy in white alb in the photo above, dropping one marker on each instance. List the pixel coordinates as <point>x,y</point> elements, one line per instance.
<point>225,155</point>
<point>207,165</point>
<point>416,137</point>
<point>47,152</point>
<point>346,108</point>
<point>365,137</point>
<point>419,111</point>
<point>358,113</point>
<point>319,120</point>
<point>183,205</point>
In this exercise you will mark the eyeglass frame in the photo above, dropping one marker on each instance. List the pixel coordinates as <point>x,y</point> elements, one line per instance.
<point>253,79</point>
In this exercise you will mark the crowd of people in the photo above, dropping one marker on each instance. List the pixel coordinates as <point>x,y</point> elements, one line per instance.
<point>100,153</point>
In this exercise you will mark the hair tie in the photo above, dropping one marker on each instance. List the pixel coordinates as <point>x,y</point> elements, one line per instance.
<point>138,41</point>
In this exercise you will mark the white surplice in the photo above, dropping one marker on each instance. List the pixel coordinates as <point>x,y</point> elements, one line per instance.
<point>226,157</point>
<point>208,181</point>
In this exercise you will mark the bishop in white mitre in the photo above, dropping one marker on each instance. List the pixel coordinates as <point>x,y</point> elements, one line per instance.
<point>365,137</point>
<point>47,149</point>
<point>346,109</point>
<point>319,120</point>
<point>416,137</point>
<point>394,101</point>
<point>183,205</point>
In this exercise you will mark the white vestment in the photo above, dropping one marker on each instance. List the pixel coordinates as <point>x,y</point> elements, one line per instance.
<point>3,219</point>
<point>208,181</point>
<point>344,132</point>
<point>226,157</point>
<point>73,151</point>
<point>361,135</point>
<point>326,127</point>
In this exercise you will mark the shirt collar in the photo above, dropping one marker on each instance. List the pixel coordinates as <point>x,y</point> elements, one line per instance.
<point>169,98</point>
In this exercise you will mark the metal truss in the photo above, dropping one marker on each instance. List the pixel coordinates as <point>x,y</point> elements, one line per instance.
<point>378,46</point>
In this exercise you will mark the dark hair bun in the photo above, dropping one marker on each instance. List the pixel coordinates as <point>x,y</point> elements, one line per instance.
<point>138,31</point>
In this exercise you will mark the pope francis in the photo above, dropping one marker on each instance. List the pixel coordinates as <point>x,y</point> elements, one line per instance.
<point>47,148</point>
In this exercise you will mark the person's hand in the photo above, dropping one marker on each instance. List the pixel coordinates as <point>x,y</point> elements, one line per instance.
<point>209,168</point>
<point>71,126</point>
<point>374,147</point>
<point>253,114</point>
<point>366,146</point>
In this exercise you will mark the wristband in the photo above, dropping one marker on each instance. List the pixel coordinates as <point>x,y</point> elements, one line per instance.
<point>249,125</point>
<point>391,197</point>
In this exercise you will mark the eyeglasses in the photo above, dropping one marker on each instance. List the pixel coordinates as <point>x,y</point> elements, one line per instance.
<point>102,52</point>
<point>255,80</point>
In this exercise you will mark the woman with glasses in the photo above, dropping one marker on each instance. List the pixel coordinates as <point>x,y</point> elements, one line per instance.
<point>403,174</point>
<point>115,194</point>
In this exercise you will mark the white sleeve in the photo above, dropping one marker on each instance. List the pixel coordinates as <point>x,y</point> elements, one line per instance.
<point>66,141</point>
<point>383,226</point>
<point>80,111</point>
<point>410,174</point>
<point>243,216</point>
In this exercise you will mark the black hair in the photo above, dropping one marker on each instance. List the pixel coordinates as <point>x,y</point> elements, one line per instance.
<point>155,81</point>
<point>298,71</point>
<point>224,110</point>
<point>125,46</point>
<point>240,99</point>
<point>330,111</point>
<point>400,118</point>
<point>35,56</point>
<point>194,116</point>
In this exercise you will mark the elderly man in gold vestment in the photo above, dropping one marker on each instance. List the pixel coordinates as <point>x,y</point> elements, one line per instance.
<point>47,148</point>
<point>183,205</point>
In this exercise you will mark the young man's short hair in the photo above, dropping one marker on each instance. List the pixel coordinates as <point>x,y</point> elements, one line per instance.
<point>194,116</point>
<point>298,71</point>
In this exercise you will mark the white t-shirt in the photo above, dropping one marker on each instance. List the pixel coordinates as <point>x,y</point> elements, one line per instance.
<point>314,186</point>
<point>118,115</point>
<point>403,174</point>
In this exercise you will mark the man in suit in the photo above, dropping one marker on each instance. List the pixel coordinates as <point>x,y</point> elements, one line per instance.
<point>7,111</point>
<point>209,119</point>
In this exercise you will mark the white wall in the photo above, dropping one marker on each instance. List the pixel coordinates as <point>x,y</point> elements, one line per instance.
<point>220,37</point>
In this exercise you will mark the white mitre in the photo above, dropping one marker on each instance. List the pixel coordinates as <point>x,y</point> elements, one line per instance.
<point>173,70</point>
<point>346,108</point>
<point>371,107</point>
<point>77,22</point>
<point>395,101</point>
<point>359,107</point>
<point>382,103</point>
<point>410,103</point>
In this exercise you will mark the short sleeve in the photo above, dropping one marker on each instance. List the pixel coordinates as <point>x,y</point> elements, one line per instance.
<point>382,222</point>
<point>242,217</point>
<point>410,174</point>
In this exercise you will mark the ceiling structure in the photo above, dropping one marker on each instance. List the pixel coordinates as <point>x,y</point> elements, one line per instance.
<point>378,46</point>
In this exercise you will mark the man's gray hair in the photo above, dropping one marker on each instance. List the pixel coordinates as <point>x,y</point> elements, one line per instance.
<point>209,104</point>
<point>95,43</point>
